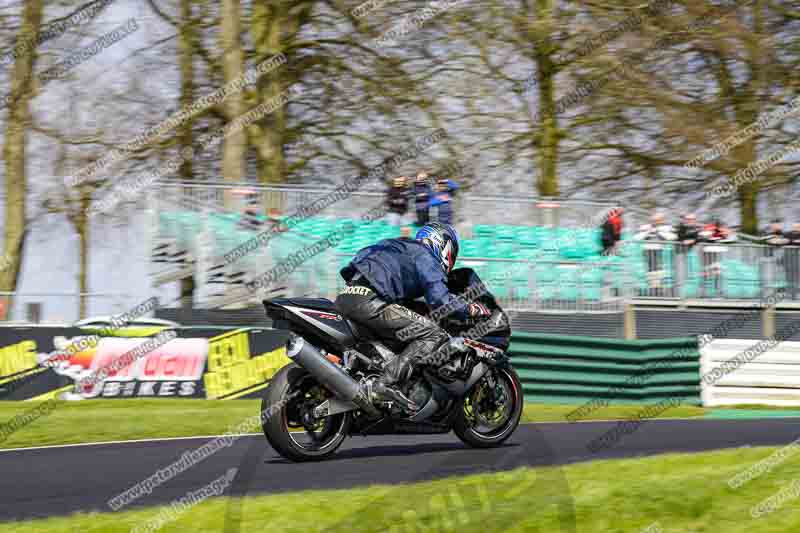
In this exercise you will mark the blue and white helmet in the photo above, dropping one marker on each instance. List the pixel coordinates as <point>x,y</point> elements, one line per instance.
<point>442,240</point>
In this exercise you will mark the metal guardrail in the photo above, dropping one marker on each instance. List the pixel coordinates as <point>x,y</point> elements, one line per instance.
<point>726,271</point>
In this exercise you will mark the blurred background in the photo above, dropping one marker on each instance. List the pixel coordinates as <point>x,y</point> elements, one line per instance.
<point>590,154</point>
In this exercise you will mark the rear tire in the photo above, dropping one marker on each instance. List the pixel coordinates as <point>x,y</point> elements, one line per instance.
<point>465,424</point>
<point>280,407</point>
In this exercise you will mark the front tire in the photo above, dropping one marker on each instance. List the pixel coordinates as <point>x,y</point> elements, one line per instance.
<point>491,409</point>
<point>286,405</point>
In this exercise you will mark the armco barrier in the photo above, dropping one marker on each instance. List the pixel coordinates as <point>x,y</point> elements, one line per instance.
<point>572,369</point>
<point>226,363</point>
<point>732,375</point>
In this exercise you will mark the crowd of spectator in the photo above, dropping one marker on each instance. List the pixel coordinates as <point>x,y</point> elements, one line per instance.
<point>429,197</point>
<point>432,199</point>
<point>689,231</point>
<point>776,236</point>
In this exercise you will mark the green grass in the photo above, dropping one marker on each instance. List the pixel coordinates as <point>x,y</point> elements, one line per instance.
<point>680,492</point>
<point>760,407</point>
<point>109,420</point>
<point>106,420</point>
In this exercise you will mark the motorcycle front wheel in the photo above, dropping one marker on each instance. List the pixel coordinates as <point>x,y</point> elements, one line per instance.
<point>491,409</point>
<point>287,417</point>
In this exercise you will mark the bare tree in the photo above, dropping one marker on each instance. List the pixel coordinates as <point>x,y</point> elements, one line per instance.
<point>14,149</point>
<point>233,149</point>
<point>723,68</point>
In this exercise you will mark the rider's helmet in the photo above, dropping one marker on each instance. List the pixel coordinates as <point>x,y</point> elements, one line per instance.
<point>442,240</point>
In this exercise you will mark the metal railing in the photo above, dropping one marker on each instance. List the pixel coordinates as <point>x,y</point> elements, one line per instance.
<point>524,210</point>
<point>469,209</point>
<point>648,269</point>
<point>61,307</point>
<point>203,243</point>
<point>517,285</point>
<point>722,270</point>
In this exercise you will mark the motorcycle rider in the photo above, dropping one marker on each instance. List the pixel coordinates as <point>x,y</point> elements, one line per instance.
<point>391,271</point>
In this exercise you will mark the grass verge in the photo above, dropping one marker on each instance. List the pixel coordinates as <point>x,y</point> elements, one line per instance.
<point>676,492</point>
<point>110,420</point>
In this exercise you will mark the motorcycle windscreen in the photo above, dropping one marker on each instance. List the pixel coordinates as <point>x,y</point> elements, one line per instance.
<point>496,330</point>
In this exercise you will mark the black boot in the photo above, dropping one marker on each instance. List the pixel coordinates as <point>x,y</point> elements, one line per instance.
<point>397,371</point>
<point>387,392</point>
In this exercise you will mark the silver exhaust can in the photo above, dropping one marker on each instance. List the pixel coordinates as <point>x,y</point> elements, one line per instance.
<point>327,373</point>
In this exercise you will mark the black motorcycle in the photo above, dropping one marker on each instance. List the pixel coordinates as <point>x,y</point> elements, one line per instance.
<point>324,395</point>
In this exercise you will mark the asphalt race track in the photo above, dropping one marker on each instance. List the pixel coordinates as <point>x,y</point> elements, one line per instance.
<point>61,480</point>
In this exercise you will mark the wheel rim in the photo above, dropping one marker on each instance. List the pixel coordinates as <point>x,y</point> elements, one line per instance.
<point>311,435</point>
<point>490,406</point>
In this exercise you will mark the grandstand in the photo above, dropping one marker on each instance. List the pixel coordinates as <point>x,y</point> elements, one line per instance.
<point>529,267</point>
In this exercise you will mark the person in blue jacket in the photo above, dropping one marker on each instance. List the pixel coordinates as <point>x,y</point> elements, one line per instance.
<point>443,200</point>
<point>422,198</point>
<point>392,271</point>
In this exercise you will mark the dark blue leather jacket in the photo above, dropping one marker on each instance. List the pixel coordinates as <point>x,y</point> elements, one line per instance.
<point>404,269</point>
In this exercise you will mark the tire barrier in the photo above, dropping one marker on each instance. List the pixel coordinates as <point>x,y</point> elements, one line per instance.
<point>573,369</point>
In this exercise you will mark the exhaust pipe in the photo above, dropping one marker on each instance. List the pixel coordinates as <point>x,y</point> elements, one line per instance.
<point>334,378</point>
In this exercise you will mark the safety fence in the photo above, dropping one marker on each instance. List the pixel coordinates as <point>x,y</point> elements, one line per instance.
<point>573,369</point>
<point>742,371</point>
<point>471,208</point>
<point>193,225</point>
<point>555,244</point>
<point>666,269</point>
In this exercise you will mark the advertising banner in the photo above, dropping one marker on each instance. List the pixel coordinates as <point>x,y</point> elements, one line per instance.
<point>203,362</point>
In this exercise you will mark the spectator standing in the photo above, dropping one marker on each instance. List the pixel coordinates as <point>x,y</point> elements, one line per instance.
<point>725,233</point>
<point>794,235</point>
<point>689,230</point>
<point>250,218</point>
<point>792,257</point>
<point>397,201</point>
<point>611,230</point>
<point>422,198</point>
<point>688,235</point>
<point>774,236</point>
<point>657,230</point>
<point>775,239</point>
<point>274,219</point>
<point>443,200</point>
<point>717,231</point>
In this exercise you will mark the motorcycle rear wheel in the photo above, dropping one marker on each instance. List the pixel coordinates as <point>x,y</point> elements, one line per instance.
<point>285,417</point>
<point>489,415</point>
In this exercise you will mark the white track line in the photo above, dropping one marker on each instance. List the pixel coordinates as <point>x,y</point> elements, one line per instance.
<point>166,439</point>
<point>157,439</point>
